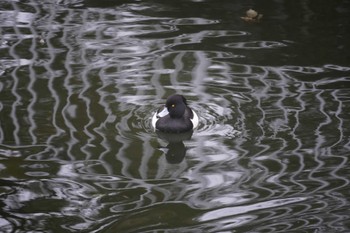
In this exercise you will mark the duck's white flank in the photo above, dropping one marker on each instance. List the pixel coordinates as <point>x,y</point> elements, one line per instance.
<point>158,115</point>
<point>154,120</point>
<point>195,120</point>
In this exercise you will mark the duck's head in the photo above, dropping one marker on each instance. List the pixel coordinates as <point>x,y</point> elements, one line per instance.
<point>175,117</point>
<point>176,106</point>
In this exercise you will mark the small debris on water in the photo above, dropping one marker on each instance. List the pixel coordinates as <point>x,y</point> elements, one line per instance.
<point>252,16</point>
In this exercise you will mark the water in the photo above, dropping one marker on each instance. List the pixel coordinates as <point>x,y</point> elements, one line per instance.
<point>80,80</point>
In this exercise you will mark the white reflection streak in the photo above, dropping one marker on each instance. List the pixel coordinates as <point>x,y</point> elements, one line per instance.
<point>199,73</point>
<point>32,80</point>
<point>337,114</point>
<point>70,92</point>
<point>321,138</point>
<point>56,111</point>
<point>14,89</point>
<point>179,66</point>
<point>229,211</point>
<point>88,102</point>
<point>216,180</point>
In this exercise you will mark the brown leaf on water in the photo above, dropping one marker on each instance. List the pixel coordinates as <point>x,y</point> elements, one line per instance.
<point>252,16</point>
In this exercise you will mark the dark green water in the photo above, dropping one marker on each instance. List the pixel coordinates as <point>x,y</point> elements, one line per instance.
<point>80,80</point>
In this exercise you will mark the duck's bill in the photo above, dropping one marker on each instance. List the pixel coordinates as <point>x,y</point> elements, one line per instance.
<point>163,113</point>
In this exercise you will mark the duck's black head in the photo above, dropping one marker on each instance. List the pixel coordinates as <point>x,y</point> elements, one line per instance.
<point>176,105</point>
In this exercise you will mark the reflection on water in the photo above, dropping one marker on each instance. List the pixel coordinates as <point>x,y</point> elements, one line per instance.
<point>176,149</point>
<point>80,80</point>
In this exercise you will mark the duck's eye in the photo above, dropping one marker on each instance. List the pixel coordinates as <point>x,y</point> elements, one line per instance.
<point>173,105</point>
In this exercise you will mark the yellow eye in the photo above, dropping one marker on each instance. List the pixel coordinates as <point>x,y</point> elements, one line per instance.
<point>173,105</point>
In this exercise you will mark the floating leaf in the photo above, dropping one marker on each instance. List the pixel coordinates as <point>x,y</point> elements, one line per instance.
<point>251,13</point>
<point>252,16</point>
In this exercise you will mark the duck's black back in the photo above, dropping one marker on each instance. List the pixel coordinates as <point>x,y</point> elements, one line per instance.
<point>176,125</point>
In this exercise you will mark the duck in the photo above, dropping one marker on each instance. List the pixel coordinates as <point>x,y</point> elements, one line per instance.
<point>175,116</point>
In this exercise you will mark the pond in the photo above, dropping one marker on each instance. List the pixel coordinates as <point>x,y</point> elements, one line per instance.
<point>80,81</point>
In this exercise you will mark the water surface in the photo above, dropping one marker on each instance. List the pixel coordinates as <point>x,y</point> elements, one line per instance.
<point>80,80</point>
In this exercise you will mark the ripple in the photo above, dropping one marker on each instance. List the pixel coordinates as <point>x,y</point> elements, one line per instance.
<point>10,153</point>
<point>302,69</point>
<point>222,33</point>
<point>229,211</point>
<point>338,83</point>
<point>255,45</point>
<point>222,130</point>
<point>16,18</point>
<point>37,174</point>
<point>192,21</point>
<point>212,118</point>
<point>6,64</point>
<point>337,67</point>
